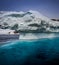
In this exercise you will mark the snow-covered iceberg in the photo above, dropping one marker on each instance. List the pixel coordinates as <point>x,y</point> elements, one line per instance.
<point>31,21</point>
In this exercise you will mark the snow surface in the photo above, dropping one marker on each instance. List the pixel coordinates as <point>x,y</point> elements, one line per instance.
<point>6,31</point>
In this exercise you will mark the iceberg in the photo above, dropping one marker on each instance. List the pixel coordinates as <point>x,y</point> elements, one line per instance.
<point>31,21</point>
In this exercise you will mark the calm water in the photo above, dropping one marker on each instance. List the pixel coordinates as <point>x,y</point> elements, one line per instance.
<point>31,49</point>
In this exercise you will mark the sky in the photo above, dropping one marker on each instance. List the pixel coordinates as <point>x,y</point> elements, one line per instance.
<point>49,8</point>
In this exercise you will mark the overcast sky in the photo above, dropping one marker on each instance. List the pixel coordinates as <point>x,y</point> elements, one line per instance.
<point>48,8</point>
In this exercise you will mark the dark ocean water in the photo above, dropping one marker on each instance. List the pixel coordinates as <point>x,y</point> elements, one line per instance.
<point>44,51</point>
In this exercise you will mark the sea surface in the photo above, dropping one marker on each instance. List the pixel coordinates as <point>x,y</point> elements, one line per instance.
<point>31,49</point>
